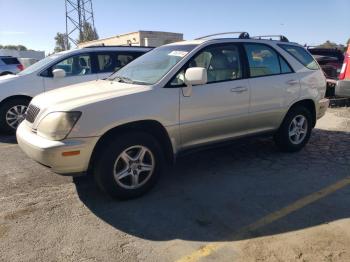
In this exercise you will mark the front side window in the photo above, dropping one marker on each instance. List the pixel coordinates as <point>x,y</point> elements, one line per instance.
<point>300,54</point>
<point>152,66</point>
<point>263,60</point>
<point>222,63</point>
<point>75,66</point>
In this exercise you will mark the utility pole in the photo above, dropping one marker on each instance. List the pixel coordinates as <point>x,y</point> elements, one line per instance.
<point>78,12</point>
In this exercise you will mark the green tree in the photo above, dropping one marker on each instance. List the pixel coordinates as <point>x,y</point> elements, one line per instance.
<point>14,47</point>
<point>328,44</point>
<point>61,42</point>
<point>88,33</point>
<point>21,48</point>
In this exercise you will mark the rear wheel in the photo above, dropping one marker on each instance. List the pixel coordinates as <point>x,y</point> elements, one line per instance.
<point>295,131</point>
<point>12,113</point>
<point>129,166</point>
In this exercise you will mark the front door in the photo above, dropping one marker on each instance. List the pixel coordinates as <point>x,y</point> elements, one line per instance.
<point>217,110</point>
<point>78,69</point>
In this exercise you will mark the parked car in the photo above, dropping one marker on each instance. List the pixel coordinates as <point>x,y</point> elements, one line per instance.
<point>331,61</point>
<point>343,84</point>
<point>58,70</point>
<point>26,62</point>
<point>9,65</point>
<point>180,96</point>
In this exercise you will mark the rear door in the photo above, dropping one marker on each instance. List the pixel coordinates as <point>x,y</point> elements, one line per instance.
<point>272,82</point>
<point>109,62</point>
<point>78,69</point>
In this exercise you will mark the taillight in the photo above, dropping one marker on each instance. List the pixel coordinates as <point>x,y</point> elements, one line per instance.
<point>20,67</point>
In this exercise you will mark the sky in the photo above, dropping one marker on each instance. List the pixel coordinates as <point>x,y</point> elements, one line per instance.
<point>34,23</point>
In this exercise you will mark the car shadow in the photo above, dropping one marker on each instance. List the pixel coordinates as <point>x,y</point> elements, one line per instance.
<point>211,195</point>
<point>8,139</point>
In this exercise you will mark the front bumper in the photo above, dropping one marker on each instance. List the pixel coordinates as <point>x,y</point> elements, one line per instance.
<point>323,104</point>
<point>342,88</point>
<point>50,153</point>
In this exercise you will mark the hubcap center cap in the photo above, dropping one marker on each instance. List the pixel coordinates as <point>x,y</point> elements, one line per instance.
<point>134,166</point>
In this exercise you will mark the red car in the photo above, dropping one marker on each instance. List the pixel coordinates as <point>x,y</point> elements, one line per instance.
<point>343,84</point>
<point>331,61</point>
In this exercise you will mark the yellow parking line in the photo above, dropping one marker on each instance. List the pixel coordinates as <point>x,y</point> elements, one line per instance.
<point>270,218</point>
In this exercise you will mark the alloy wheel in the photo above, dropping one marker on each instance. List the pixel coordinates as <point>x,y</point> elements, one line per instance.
<point>298,129</point>
<point>134,167</point>
<point>15,115</point>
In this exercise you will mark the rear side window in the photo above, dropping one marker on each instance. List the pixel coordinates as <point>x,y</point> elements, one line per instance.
<point>10,60</point>
<point>300,54</point>
<point>110,62</point>
<point>285,68</point>
<point>263,60</point>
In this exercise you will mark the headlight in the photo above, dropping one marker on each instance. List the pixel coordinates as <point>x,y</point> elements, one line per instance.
<point>57,125</point>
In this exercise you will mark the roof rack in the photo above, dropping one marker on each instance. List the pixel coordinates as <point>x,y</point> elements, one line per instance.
<point>282,38</point>
<point>102,45</point>
<point>242,35</point>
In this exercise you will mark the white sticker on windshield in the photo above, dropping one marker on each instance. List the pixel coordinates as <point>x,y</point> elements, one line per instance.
<point>178,53</point>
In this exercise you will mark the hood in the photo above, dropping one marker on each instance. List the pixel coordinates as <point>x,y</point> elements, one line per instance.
<point>74,96</point>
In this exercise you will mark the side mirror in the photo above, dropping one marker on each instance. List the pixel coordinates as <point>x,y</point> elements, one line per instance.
<point>196,76</point>
<point>58,73</point>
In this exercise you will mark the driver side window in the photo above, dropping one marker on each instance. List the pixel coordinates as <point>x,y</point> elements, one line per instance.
<point>75,66</point>
<point>222,64</point>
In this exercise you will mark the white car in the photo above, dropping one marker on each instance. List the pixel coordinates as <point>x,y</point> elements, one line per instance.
<point>58,70</point>
<point>170,100</point>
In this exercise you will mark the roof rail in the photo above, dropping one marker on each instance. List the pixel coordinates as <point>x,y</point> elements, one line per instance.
<point>135,46</point>
<point>242,35</point>
<point>282,38</point>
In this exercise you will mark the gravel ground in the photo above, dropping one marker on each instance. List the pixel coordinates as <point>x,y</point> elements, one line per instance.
<point>242,202</point>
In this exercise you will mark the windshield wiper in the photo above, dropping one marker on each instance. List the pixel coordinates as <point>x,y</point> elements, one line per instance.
<point>123,79</point>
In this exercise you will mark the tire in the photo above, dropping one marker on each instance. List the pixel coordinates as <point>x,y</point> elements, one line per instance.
<point>6,73</point>
<point>5,124</point>
<point>111,162</point>
<point>284,139</point>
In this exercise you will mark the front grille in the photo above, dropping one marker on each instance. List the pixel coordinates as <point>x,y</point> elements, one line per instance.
<point>32,113</point>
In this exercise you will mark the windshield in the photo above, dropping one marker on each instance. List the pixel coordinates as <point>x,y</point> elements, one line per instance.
<point>39,64</point>
<point>152,66</point>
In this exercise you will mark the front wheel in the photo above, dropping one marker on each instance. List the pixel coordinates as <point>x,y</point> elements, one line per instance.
<point>12,113</point>
<point>295,131</point>
<point>129,166</point>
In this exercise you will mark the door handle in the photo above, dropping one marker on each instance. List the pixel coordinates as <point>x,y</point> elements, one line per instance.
<point>239,89</point>
<point>292,82</point>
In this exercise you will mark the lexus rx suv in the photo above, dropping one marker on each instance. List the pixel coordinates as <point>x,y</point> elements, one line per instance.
<point>125,129</point>
<point>58,70</point>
